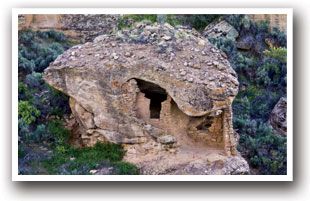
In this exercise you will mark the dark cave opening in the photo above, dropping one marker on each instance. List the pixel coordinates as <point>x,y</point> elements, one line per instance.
<point>156,94</point>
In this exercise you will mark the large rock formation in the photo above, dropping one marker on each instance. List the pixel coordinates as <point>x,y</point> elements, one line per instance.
<point>277,117</point>
<point>80,27</point>
<point>161,91</point>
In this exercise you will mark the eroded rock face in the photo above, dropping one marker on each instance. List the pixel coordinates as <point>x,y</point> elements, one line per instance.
<point>159,90</point>
<point>80,27</point>
<point>277,117</point>
<point>276,20</point>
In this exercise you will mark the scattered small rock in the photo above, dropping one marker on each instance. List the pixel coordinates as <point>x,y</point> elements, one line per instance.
<point>93,171</point>
<point>201,43</point>
<point>190,79</point>
<point>128,54</point>
<point>183,73</point>
<point>215,63</point>
<point>166,139</point>
<point>166,38</point>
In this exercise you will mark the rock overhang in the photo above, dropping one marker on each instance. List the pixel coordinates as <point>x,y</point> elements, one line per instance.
<point>193,72</point>
<point>108,81</point>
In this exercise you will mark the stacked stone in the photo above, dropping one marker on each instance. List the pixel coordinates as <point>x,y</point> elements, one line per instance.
<point>212,135</point>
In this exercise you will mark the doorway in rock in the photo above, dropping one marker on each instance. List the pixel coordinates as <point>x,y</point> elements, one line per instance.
<point>156,94</point>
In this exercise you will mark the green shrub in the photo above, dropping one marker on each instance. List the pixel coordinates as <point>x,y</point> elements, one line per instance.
<point>42,34</point>
<point>255,161</point>
<point>88,158</point>
<point>266,149</point>
<point>59,102</point>
<point>27,37</point>
<point>278,53</point>
<point>34,79</point>
<point>101,152</point>
<point>41,133</point>
<point>23,128</point>
<point>35,54</point>
<point>263,26</point>
<point>60,134</point>
<point>27,112</point>
<point>225,44</point>
<point>21,153</point>
<point>236,21</point>
<point>123,168</point>
<point>273,72</point>
<point>198,21</point>
<point>280,37</point>
<point>58,36</point>
<point>24,93</point>
<point>24,64</point>
<point>56,111</point>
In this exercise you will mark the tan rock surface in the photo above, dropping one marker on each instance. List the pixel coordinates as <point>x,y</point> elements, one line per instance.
<point>156,89</point>
<point>276,20</point>
<point>277,117</point>
<point>80,27</point>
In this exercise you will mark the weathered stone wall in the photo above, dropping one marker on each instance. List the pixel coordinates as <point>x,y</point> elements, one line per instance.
<point>230,142</point>
<point>174,121</point>
<point>213,134</point>
<point>143,110</point>
<point>143,105</point>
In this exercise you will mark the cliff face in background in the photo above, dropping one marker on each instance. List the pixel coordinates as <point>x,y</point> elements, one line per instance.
<point>78,27</point>
<point>87,27</point>
<point>276,20</point>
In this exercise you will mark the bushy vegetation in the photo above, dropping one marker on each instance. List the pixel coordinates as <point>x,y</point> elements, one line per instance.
<point>198,22</point>
<point>64,159</point>
<point>37,49</point>
<point>128,20</point>
<point>262,76</point>
<point>43,141</point>
<point>69,160</point>
<point>27,112</point>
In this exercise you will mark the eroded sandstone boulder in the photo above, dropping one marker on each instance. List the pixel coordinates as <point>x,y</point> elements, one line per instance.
<point>159,90</point>
<point>277,117</point>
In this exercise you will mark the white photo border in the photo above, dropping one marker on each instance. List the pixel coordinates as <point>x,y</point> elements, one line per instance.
<point>17,177</point>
